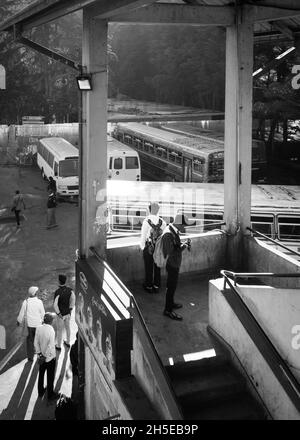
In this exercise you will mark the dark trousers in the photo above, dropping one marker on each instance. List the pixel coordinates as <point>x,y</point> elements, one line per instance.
<point>152,272</point>
<point>50,368</point>
<point>172,281</point>
<point>17,215</point>
<point>30,342</point>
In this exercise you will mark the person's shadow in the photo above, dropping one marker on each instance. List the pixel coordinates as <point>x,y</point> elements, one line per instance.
<point>44,410</point>
<point>18,404</point>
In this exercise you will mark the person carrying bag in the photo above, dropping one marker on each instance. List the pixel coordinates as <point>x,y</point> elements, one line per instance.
<point>30,317</point>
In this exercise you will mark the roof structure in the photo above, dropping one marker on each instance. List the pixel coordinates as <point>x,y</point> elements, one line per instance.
<point>274,19</point>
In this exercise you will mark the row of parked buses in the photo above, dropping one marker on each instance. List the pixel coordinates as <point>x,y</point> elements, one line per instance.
<point>275,209</point>
<point>182,156</point>
<point>58,158</point>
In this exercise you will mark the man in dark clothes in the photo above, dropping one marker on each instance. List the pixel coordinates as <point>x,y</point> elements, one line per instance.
<point>52,185</point>
<point>173,248</point>
<point>64,302</point>
<point>51,208</point>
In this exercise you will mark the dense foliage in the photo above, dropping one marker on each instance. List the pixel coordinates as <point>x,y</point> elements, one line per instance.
<point>167,64</point>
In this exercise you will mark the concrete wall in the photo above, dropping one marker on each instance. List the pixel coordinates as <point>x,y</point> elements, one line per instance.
<point>150,374</point>
<point>224,321</point>
<point>208,254</point>
<point>278,313</point>
<point>259,257</point>
<point>3,136</point>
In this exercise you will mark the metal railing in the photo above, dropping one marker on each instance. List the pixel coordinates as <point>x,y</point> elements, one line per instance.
<point>266,348</point>
<point>273,241</point>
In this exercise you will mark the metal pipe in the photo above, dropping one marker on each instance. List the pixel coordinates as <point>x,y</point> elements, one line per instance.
<point>273,241</point>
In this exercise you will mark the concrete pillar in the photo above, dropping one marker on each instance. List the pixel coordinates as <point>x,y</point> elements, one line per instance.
<point>238,130</point>
<point>94,136</point>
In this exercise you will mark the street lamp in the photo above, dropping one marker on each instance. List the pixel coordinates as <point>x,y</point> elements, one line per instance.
<point>84,82</point>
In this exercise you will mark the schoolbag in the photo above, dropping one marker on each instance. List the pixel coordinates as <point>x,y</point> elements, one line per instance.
<point>158,254</point>
<point>65,408</point>
<point>155,232</point>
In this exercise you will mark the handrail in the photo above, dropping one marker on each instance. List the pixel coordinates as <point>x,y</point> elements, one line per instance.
<point>235,275</point>
<point>273,241</point>
<point>261,340</point>
<point>140,316</point>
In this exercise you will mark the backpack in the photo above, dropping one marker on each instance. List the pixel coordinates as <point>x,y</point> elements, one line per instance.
<point>155,232</point>
<point>158,254</point>
<point>65,409</point>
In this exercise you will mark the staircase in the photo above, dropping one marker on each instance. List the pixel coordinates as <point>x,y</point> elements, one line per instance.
<point>212,389</point>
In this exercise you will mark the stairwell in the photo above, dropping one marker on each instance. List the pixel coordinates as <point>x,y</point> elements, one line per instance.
<point>212,389</point>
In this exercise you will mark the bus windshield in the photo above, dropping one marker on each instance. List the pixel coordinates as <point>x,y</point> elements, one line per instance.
<point>68,167</point>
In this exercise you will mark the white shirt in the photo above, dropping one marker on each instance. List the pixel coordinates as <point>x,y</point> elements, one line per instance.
<point>44,341</point>
<point>146,228</point>
<point>35,312</point>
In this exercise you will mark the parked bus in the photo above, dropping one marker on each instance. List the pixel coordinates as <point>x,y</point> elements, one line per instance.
<point>123,162</point>
<point>170,156</point>
<point>58,158</point>
<point>275,209</point>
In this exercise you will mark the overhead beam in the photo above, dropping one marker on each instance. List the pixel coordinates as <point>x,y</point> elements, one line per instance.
<point>285,30</point>
<point>163,13</point>
<point>268,13</point>
<point>49,10</point>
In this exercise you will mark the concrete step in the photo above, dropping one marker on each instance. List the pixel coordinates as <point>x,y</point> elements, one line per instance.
<point>241,406</point>
<point>207,388</point>
<point>196,367</point>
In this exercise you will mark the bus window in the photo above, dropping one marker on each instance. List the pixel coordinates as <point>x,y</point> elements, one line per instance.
<point>55,169</point>
<point>288,227</point>
<point>110,163</point>
<point>118,163</point>
<point>198,165</point>
<point>128,139</point>
<point>263,224</point>
<point>172,156</point>
<point>179,158</point>
<point>68,167</point>
<point>131,162</point>
<point>50,160</point>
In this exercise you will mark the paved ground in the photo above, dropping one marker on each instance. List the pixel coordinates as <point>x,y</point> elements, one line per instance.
<point>31,255</point>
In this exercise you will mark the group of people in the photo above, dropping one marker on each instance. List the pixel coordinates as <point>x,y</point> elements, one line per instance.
<point>41,337</point>
<point>18,204</point>
<point>153,227</point>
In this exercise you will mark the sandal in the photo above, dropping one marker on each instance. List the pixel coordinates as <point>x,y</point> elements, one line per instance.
<point>173,315</point>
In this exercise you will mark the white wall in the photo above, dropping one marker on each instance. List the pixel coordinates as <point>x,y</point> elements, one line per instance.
<point>224,321</point>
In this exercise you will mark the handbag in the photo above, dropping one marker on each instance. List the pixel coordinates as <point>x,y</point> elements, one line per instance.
<point>23,332</point>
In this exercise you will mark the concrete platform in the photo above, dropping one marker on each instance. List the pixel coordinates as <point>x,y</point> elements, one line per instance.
<point>178,341</point>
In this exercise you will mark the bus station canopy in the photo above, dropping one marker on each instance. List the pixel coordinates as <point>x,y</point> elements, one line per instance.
<point>274,19</point>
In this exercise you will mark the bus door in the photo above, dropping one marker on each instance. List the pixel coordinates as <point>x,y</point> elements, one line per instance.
<point>116,172</point>
<point>187,169</point>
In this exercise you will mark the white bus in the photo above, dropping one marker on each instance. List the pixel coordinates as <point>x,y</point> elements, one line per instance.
<point>123,162</point>
<point>57,158</point>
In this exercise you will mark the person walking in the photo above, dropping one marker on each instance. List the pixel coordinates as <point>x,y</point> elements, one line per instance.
<point>51,185</point>
<point>17,205</point>
<point>51,210</point>
<point>64,302</point>
<point>32,312</point>
<point>152,228</point>
<point>44,344</point>
<point>172,249</point>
